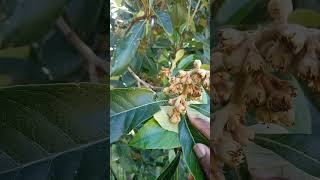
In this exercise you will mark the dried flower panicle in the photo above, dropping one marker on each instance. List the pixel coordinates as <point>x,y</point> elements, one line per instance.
<point>187,85</point>
<point>243,78</point>
<point>164,72</point>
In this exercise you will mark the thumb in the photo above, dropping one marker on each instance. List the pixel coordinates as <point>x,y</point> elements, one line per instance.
<point>203,153</point>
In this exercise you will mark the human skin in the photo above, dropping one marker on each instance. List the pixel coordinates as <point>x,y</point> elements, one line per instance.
<point>202,151</point>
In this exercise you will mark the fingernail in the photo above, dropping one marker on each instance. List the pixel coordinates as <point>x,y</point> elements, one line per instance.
<point>199,150</point>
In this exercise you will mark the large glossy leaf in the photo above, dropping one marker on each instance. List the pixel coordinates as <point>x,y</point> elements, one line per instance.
<point>163,119</point>
<point>202,108</point>
<point>301,150</point>
<point>127,49</point>
<point>153,136</point>
<point>51,131</point>
<point>129,108</point>
<point>29,21</point>
<point>169,171</point>
<point>187,142</point>
<point>264,162</point>
<point>165,22</point>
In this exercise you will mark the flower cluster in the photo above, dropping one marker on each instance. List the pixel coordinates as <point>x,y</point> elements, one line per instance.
<point>245,65</point>
<point>187,85</point>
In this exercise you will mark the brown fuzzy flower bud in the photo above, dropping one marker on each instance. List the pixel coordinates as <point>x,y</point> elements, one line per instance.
<point>287,118</point>
<point>226,119</point>
<point>308,66</point>
<point>233,61</point>
<point>265,116</point>
<point>206,83</point>
<point>166,90</point>
<point>197,64</point>
<point>229,151</point>
<point>280,93</point>
<point>220,77</point>
<point>278,57</point>
<point>314,85</point>
<point>294,37</point>
<point>255,93</point>
<point>194,92</point>
<point>196,78</point>
<point>230,38</point>
<point>224,91</point>
<point>180,104</point>
<point>214,96</point>
<point>280,10</point>
<point>182,73</point>
<point>254,62</point>
<point>282,118</point>
<point>172,101</point>
<point>279,101</point>
<point>174,116</point>
<point>217,62</point>
<point>165,72</point>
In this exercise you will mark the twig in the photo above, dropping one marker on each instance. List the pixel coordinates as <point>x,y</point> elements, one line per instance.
<point>135,21</point>
<point>86,52</point>
<point>139,80</point>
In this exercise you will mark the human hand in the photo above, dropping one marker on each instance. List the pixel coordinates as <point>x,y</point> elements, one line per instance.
<point>202,151</point>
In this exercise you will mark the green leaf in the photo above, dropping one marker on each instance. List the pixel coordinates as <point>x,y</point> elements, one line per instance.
<point>62,126</point>
<point>163,119</point>
<point>204,109</point>
<point>187,61</point>
<point>198,136</point>
<point>187,142</point>
<point>170,169</point>
<point>165,22</point>
<point>153,136</point>
<point>29,24</point>
<point>130,108</point>
<point>305,17</point>
<point>301,150</point>
<point>127,49</point>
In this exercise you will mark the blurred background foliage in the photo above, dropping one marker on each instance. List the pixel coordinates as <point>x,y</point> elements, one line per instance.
<point>53,118</point>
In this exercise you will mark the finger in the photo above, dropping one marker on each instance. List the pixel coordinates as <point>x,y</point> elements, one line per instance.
<point>202,125</point>
<point>203,153</point>
<point>190,177</point>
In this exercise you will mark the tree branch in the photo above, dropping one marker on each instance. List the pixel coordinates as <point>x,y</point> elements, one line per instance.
<point>86,52</point>
<point>139,80</point>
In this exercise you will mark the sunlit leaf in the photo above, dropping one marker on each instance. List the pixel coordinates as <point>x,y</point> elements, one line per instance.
<point>153,136</point>
<point>187,142</point>
<point>165,22</point>
<point>129,108</point>
<point>127,49</point>
<point>170,169</point>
